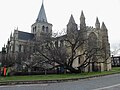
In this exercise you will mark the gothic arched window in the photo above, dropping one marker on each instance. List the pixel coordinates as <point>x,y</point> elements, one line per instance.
<point>92,47</point>
<point>35,29</point>
<point>61,43</point>
<point>43,28</point>
<point>19,48</point>
<point>46,29</point>
<point>56,44</point>
<point>92,41</point>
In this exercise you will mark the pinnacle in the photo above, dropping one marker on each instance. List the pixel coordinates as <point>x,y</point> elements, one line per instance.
<point>11,34</point>
<point>103,27</point>
<point>71,19</point>
<point>97,21</point>
<point>82,14</point>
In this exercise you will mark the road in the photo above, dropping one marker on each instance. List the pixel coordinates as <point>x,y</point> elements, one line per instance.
<point>111,82</point>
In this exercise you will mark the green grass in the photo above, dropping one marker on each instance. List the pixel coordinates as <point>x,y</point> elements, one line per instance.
<point>57,76</point>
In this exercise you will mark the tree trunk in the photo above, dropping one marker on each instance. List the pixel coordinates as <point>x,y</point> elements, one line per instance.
<point>72,70</point>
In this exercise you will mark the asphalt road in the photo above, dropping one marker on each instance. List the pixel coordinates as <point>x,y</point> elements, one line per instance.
<point>111,82</point>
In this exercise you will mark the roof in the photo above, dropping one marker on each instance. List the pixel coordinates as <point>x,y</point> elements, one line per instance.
<point>42,15</point>
<point>25,35</point>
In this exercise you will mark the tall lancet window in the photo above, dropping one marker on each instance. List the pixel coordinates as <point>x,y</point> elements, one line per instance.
<point>46,29</point>
<point>35,29</point>
<point>43,28</point>
<point>19,48</point>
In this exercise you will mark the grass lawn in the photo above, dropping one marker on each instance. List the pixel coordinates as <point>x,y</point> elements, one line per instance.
<point>57,76</point>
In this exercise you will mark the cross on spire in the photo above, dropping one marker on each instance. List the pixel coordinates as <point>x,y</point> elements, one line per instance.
<point>42,1</point>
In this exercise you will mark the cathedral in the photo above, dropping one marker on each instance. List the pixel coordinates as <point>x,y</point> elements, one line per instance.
<point>19,41</point>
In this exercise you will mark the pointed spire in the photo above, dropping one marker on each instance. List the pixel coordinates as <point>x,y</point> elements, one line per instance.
<point>11,35</point>
<point>82,14</point>
<point>42,15</point>
<point>71,26</point>
<point>97,20</point>
<point>17,28</point>
<point>71,19</point>
<point>103,27</point>
<point>8,41</point>
<point>97,24</point>
<point>82,21</point>
<point>4,45</point>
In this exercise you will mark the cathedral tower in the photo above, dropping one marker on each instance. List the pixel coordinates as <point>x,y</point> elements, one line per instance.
<point>41,26</point>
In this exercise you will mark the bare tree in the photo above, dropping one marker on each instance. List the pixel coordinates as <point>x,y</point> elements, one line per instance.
<point>63,50</point>
<point>115,49</point>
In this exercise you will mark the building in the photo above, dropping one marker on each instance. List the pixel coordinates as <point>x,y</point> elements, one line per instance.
<point>115,61</point>
<point>97,38</point>
<point>0,56</point>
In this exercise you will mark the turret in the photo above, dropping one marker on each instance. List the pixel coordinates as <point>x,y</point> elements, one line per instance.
<point>71,26</point>
<point>104,31</point>
<point>82,21</point>
<point>103,27</point>
<point>8,42</point>
<point>11,36</point>
<point>105,42</point>
<point>104,35</point>
<point>3,49</point>
<point>16,34</point>
<point>97,24</point>
<point>8,46</point>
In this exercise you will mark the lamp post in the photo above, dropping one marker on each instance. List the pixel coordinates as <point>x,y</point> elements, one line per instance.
<point>0,68</point>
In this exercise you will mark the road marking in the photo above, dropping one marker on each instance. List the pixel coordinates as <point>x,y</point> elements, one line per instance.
<point>6,86</point>
<point>107,87</point>
<point>27,85</point>
<point>31,85</point>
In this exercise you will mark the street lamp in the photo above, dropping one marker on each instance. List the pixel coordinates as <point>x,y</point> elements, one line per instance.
<point>0,64</point>
<point>0,68</point>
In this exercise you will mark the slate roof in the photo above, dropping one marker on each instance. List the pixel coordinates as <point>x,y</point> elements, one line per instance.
<point>25,35</point>
<point>42,15</point>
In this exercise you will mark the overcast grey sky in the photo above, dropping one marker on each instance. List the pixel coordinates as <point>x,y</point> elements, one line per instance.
<point>23,13</point>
